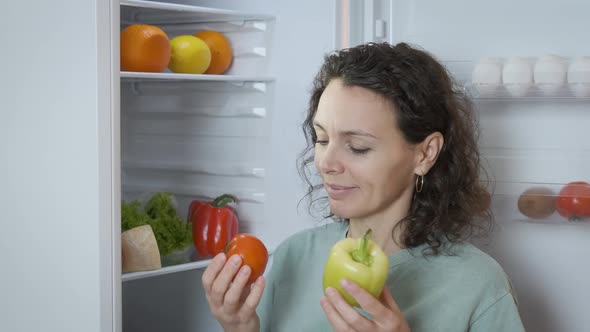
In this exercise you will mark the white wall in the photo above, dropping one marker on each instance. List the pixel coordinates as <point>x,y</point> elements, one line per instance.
<point>50,187</point>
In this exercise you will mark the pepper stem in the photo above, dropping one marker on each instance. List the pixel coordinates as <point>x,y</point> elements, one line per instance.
<point>223,200</point>
<point>361,255</point>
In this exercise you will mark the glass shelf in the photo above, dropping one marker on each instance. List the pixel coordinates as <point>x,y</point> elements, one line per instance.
<point>206,192</point>
<point>199,167</point>
<point>168,267</point>
<point>142,76</point>
<point>166,270</point>
<point>528,92</point>
<point>151,12</point>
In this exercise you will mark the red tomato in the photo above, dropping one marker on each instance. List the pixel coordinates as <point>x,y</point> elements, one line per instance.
<point>573,201</point>
<point>252,251</point>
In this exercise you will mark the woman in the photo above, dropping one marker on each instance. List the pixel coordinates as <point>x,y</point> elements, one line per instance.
<point>395,145</point>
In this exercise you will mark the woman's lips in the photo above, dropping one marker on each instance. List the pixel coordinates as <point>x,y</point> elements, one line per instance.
<point>337,192</point>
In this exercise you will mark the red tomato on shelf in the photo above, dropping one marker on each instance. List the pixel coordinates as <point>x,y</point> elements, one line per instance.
<point>573,201</point>
<point>252,251</point>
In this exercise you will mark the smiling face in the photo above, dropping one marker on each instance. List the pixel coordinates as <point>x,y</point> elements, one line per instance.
<point>366,164</point>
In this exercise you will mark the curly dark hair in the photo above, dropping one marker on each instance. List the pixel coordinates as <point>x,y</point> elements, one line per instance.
<point>454,202</point>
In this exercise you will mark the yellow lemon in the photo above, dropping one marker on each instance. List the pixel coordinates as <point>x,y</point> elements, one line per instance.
<point>189,55</point>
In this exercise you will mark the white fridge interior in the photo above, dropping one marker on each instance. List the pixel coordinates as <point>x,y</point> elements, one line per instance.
<point>199,136</point>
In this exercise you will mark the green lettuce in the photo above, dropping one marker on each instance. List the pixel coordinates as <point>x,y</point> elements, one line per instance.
<point>171,231</point>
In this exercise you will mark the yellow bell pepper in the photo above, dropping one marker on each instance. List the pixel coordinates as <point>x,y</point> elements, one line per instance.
<point>359,260</point>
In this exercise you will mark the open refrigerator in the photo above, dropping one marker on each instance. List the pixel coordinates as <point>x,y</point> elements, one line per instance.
<point>531,137</point>
<point>198,136</point>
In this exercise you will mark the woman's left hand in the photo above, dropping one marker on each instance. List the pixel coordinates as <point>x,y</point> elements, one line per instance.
<point>385,313</point>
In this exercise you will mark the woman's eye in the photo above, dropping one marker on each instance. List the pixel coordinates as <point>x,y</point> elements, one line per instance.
<point>321,142</point>
<point>359,150</point>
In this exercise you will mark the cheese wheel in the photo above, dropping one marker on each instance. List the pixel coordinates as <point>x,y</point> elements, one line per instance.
<point>139,250</point>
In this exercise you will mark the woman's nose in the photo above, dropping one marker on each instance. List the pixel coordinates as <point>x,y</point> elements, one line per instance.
<point>330,161</point>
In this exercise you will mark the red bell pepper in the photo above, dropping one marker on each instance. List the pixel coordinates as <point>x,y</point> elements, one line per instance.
<point>214,224</point>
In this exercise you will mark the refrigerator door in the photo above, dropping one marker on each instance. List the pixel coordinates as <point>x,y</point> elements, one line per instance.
<point>58,146</point>
<point>532,135</point>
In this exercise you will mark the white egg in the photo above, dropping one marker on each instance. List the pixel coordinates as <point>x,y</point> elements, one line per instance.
<point>518,70</point>
<point>550,73</point>
<point>487,71</point>
<point>487,76</point>
<point>517,76</point>
<point>550,69</point>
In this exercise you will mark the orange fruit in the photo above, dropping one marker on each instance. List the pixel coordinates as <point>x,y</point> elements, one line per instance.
<point>221,51</point>
<point>144,48</point>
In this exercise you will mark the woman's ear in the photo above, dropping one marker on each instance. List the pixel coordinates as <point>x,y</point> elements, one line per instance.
<point>427,152</point>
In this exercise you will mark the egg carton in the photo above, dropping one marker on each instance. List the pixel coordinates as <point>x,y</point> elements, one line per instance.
<point>549,75</point>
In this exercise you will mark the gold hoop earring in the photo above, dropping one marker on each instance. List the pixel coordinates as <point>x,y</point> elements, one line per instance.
<point>419,183</point>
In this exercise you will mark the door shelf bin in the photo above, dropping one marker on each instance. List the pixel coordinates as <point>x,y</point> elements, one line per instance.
<point>462,73</point>
<point>528,92</point>
<point>511,204</point>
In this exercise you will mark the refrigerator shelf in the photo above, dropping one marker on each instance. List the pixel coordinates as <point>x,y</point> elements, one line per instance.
<point>553,221</point>
<point>212,111</point>
<point>228,28</point>
<point>141,76</point>
<point>165,270</point>
<point>161,13</point>
<point>576,91</point>
<point>200,264</point>
<point>207,193</point>
<point>158,125</point>
<point>152,88</point>
<point>200,168</point>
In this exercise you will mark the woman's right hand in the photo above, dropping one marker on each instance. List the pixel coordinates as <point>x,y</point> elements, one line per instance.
<point>232,302</point>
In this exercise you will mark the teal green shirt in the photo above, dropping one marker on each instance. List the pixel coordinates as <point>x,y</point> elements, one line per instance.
<point>467,291</point>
